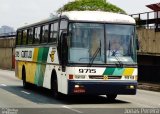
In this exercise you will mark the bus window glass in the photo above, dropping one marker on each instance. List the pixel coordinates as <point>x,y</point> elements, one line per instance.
<point>54,32</point>
<point>30,36</point>
<point>24,39</point>
<point>45,34</point>
<point>19,35</point>
<point>86,43</point>
<point>120,44</point>
<point>37,35</point>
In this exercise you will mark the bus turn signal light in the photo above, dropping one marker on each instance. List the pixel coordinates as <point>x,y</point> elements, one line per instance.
<point>70,76</point>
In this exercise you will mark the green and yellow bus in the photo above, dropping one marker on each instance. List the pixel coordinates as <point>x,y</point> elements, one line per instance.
<point>79,52</point>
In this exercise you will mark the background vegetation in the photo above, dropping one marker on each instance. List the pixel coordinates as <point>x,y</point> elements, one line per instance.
<point>91,5</point>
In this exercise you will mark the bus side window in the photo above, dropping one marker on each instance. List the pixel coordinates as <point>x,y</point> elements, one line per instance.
<point>30,36</point>
<point>19,36</point>
<point>37,34</point>
<point>53,33</point>
<point>45,34</point>
<point>24,38</point>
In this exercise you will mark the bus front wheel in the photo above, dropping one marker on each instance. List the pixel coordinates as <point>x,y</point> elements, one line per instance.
<point>111,97</point>
<point>54,89</point>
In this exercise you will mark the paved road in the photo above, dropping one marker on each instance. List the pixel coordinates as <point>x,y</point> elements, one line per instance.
<point>39,101</point>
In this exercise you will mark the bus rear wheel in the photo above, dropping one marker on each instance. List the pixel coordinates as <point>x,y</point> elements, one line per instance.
<point>25,83</point>
<point>111,97</point>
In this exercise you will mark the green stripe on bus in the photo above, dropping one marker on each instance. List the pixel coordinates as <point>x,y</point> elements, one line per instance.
<point>118,72</point>
<point>37,74</point>
<point>109,71</point>
<point>40,70</point>
<point>42,54</point>
<point>39,78</point>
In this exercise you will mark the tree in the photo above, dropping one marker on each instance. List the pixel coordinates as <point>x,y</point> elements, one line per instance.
<point>92,5</point>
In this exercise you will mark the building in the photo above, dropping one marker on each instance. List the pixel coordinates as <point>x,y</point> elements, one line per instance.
<point>6,30</point>
<point>148,30</point>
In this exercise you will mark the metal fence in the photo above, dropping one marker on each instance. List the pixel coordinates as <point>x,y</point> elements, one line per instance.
<point>148,20</point>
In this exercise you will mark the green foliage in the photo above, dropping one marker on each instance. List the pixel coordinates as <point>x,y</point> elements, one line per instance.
<point>92,5</point>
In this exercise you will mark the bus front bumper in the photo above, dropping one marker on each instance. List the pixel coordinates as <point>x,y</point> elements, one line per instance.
<point>101,87</point>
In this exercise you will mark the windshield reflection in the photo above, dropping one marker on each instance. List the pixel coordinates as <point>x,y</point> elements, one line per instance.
<point>120,43</point>
<point>87,43</point>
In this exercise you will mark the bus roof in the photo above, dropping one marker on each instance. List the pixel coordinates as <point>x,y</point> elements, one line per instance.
<point>90,16</point>
<point>98,16</point>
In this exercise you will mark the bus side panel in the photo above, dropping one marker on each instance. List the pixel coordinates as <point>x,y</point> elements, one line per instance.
<point>47,76</point>
<point>19,65</point>
<point>30,72</point>
<point>39,64</point>
<point>34,72</point>
<point>62,79</point>
<point>53,64</point>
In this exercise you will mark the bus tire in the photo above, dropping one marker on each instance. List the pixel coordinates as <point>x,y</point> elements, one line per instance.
<point>25,84</point>
<point>111,97</point>
<point>54,86</point>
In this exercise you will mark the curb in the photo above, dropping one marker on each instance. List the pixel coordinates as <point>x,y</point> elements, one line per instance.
<point>149,86</point>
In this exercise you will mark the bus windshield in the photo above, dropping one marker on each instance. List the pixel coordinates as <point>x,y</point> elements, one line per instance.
<point>98,43</point>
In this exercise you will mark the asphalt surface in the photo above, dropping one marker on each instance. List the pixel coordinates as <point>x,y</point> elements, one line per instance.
<point>14,99</point>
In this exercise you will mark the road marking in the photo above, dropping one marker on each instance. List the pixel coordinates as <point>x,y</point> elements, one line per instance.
<point>3,85</point>
<point>25,92</point>
<point>72,109</point>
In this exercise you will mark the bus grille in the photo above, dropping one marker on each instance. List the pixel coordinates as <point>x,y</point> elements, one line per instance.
<point>114,77</point>
<point>102,77</point>
<point>96,77</point>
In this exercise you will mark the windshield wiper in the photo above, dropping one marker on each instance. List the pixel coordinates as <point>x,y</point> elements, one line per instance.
<point>120,62</point>
<point>94,56</point>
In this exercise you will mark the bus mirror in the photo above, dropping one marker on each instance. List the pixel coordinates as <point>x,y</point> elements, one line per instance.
<point>137,43</point>
<point>64,51</point>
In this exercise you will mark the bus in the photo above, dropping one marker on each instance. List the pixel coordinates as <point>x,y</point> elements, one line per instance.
<point>71,54</point>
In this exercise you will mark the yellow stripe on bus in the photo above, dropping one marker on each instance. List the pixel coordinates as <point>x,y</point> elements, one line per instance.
<point>128,71</point>
<point>35,55</point>
<point>31,73</point>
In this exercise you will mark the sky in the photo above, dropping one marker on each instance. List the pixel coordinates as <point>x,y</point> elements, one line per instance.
<point>17,13</point>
